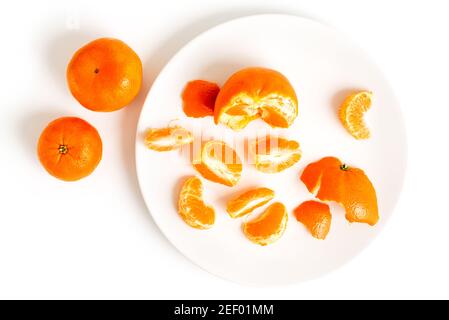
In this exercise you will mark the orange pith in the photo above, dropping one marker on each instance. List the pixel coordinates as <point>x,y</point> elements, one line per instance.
<point>167,139</point>
<point>69,148</point>
<point>352,111</point>
<point>316,217</point>
<point>275,154</point>
<point>199,98</point>
<point>331,180</point>
<point>253,93</point>
<point>219,163</point>
<point>269,226</point>
<point>191,206</point>
<point>248,201</point>
<point>105,75</point>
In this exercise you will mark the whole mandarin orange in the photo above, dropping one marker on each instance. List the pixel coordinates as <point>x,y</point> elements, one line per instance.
<point>69,148</point>
<point>105,75</point>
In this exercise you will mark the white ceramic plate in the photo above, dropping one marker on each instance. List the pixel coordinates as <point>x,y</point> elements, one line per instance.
<point>323,66</point>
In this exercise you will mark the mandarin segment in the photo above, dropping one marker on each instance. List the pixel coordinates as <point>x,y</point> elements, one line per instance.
<point>278,111</point>
<point>253,93</point>
<point>167,139</point>
<point>191,206</point>
<point>269,226</point>
<point>219,163</point>
<point>199,98</point>
<point>331,180</point>
<point>316,217</point>
<point>275,154</point>
<point>70,148</point>
<point>352,112</point>
<point>248,201</point>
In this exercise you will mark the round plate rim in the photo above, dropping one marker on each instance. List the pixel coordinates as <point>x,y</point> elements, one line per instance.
<point>195,39</point>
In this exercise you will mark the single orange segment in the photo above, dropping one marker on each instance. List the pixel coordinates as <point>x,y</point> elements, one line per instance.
<point>253,93</point>
<point>331,180</point>
<point>275,154</point>
<point>248,201</point>
<point>316,217</point>
<point>199,98</point>
<point>352,112</point>
<point>191,206</point>
<point>219,163</point>
<point>269,226</point>
<point>167,139</point>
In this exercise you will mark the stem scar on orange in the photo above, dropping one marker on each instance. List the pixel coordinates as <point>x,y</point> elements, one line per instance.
<point>105,75</point>
<point>69,148</point>
<point>332,180</point>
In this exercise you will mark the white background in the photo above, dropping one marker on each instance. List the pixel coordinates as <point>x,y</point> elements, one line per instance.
<point>95,238</point>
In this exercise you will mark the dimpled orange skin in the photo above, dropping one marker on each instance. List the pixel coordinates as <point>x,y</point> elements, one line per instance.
<point>316,217</point>
<point>312,174</point>
<point>105,75</point>
<point>331,180</point>
<point>257,83</point>
<point>199,98</point>
<point>69,148</point>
